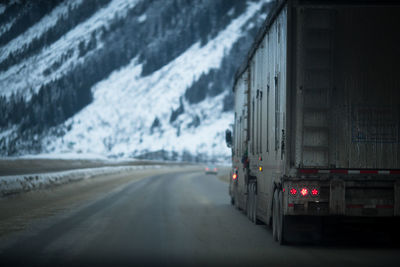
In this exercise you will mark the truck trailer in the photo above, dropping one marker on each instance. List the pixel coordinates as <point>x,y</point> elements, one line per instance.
<point>316,130</point>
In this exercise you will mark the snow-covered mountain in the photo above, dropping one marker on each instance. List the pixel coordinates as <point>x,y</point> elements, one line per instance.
<point>134,78</point>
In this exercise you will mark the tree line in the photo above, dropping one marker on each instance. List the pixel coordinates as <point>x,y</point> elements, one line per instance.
<point>64,24</point>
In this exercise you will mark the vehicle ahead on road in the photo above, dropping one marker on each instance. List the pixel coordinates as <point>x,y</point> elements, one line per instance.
<point>211,169</point>
<point>316,134</point>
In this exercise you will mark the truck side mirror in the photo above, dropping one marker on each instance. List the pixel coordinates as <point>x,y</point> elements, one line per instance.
<point>228,138</point>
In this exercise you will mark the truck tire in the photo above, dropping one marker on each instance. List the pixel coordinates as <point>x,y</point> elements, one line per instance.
<point>278,220</point>
<point>252,202</point>
<point>253,191</point>
<point>249,202</point>
<point>236,199</point>
<point>274,217</point>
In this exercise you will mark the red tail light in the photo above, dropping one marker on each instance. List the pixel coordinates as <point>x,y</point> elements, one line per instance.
<point>314,192</point>
<point>293,191</point>
<point>215,169</point>
<point>304,192</point>
<point>207,169</point>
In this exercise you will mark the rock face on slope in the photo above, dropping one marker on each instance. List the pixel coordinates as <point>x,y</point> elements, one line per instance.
<point>122,78</point>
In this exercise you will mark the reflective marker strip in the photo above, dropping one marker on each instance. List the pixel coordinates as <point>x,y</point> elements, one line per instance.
<point>342,171</point>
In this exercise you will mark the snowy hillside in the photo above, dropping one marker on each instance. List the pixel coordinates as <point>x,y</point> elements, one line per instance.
<point>125,78</point>
<point>31,71</point>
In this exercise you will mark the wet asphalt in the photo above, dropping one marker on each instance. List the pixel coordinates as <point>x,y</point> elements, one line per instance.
<point>181,218</point>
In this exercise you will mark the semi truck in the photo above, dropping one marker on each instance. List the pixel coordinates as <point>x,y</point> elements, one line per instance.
<point>316,132</point>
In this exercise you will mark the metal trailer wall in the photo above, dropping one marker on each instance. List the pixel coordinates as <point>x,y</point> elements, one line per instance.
<point>260,109</point>
<point>320,90</point>
<point>267,109</point>
<point>347,87</point>
<point>240,135</point>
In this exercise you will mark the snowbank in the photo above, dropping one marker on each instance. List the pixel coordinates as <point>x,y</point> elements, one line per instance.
<point>27,182</point>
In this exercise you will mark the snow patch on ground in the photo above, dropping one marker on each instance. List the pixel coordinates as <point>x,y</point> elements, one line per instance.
<point>142,18</point>
<point>8,132</point>
<point>4,28</point>
<point>2,8</point>
<point>23,183</point>
<point>8,25</point>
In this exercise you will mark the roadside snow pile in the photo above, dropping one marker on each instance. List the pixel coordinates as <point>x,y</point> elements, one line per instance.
<point>27,182</point>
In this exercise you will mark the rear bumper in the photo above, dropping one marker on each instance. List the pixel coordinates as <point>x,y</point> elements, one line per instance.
<point>344,197</point>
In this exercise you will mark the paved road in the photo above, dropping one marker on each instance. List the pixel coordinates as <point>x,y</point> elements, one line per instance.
<point>166,217</point>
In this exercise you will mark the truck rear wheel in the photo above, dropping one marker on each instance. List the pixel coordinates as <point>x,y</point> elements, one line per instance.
<point>278,219</point>
<point>253,199</point>
<point>251,202</point>
<point>235,198</point>
<point>248,202</point>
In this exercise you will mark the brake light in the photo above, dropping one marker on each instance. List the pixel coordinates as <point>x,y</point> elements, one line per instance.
<point>314,192</point>
<point>207,169</point>
<point>293,191</point>
<point>215,169</point>
<point>304,192</point>
<point>234,176</point>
